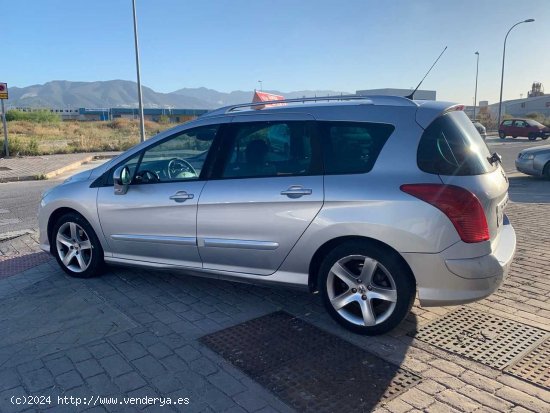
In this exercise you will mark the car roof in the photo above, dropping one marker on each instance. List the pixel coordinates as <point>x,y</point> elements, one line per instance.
<point>425,110</point>
<point>310,104</point>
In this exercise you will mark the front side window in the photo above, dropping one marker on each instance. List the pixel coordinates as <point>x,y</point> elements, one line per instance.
<point>353,147</point>
<point>270,149</point>
<point>178,158</point>
<point>451,145</point>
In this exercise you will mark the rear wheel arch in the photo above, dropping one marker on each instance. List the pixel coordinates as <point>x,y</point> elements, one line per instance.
<point>323,250</point>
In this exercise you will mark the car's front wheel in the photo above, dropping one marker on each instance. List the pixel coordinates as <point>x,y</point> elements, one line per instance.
<point>501,134</point>
<point>76,247</point>
<point>366,288</point>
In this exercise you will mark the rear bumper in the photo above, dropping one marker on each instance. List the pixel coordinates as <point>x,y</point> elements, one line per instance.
<point>444,279</point>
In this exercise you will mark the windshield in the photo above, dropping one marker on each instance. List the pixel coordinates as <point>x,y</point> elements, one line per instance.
<point>535,123</point>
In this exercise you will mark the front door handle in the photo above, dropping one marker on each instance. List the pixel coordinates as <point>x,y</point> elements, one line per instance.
<point>181,196</point>
<point>296,191</point>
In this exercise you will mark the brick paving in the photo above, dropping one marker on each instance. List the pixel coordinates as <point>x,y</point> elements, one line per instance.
<point>134,332</point>
<point>20,253</point>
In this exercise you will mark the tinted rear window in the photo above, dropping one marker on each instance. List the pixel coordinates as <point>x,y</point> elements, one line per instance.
<point>352,147</point>
<point>451,145</point>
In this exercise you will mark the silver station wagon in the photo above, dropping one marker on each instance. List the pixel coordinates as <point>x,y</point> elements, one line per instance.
<point>365,200</point>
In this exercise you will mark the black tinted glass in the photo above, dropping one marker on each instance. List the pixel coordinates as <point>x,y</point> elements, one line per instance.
<point>270,149</point>
<point>352,147</point>
<point>452,146</point>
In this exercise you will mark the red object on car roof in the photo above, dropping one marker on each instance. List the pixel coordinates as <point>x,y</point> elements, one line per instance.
<point>266,97</point>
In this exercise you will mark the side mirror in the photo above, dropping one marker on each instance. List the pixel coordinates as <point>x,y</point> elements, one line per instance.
<point>121,179</point>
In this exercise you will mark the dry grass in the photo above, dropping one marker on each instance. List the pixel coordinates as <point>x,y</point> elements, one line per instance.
<point>31,138</point>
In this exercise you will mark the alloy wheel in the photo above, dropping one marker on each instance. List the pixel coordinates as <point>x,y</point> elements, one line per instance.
<point>74,247</point>
<point>361,290</point>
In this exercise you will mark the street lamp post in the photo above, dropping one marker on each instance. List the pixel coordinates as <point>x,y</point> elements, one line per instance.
<point>502,74</point>
<point>140,98</point>
<point>475,93</point>
<point>261,85</point>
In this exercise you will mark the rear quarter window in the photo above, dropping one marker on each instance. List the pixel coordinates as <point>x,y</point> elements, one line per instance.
<point>451,145</point>
<point>353,147</point>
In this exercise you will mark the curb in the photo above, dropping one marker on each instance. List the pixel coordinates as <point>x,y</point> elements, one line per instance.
<point>65,168</point>
<point>55,172</point>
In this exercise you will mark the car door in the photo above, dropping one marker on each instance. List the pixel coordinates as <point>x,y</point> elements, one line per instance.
<point>266,190</point>
<point>155,220</point>
<point>520,128</point>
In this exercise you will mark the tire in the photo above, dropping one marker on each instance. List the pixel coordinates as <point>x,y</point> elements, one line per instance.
<point>370,306</point>
<point>501,134</point>
<point>514,137</point>
<point>544,137</point>
<point>546,171</point>
<point>75,241</point>
<point>532,137</point>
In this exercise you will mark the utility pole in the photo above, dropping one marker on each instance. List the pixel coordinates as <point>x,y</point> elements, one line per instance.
<point>6,147</point>
<point>4,95</point>
<point>140,98</point>
<point>475,95</point>
<point>502,73</point>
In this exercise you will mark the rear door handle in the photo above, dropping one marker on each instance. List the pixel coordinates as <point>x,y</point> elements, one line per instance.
<point>181,196</point>
<point>296,191</point>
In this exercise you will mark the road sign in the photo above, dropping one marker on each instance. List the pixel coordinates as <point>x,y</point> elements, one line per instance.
<point>3,90</point>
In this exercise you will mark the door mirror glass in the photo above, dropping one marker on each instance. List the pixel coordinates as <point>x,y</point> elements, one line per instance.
<point>121,179</point>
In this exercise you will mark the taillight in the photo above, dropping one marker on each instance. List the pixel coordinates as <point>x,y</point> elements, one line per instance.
<point>458,204</point>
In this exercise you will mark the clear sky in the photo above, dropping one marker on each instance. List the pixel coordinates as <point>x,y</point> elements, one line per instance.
<point>288,44</point>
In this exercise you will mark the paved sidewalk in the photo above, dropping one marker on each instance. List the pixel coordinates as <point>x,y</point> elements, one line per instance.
<point>135,333</point>
<point>44,167</point>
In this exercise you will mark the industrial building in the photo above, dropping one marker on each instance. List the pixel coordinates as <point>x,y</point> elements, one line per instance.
<point>87,114</point>
<point>523,107</point>
<point>172,115</point>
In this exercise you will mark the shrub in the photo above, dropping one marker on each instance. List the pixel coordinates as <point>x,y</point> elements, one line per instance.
<point>38,116</point>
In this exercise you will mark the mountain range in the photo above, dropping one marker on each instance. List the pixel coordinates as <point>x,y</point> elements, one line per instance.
<point>123,93</point>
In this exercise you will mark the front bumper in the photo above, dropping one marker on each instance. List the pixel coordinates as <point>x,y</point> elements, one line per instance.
<point>444,279</point>
<point>43,239</point>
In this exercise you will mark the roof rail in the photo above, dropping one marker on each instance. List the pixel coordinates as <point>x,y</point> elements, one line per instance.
<point>227,109</point>
<point>387,99</point>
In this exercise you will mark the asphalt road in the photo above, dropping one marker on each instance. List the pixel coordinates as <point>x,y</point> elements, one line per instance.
<point>19,200</point>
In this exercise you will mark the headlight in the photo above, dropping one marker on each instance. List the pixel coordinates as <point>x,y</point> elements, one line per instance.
<point>528,157</point>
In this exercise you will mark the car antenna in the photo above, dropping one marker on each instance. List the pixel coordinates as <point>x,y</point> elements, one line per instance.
<point>429,70</point>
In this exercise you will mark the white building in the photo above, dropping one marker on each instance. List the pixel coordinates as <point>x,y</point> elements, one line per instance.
<point>419,94</point>
<point>523,107</point>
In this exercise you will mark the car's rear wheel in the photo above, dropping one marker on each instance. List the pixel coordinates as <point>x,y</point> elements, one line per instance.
<point>501,134</point>
<point>76,247</point>
<point>366,288</point>
<point>532,136</point>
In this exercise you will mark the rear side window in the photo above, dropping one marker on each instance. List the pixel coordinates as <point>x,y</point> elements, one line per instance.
<point>452,146</point>
<point>507,123</point>
<point>352,147</point>
<point>271,149</point>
